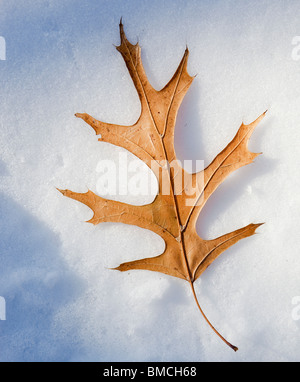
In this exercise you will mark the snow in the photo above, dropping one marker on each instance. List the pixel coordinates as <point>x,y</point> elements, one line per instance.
<point>63,303</point>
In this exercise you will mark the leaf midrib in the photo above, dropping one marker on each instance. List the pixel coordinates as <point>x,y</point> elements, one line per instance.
<point>165,155</point>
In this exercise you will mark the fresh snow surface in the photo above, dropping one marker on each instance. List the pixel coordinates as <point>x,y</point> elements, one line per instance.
<point>62,301</point>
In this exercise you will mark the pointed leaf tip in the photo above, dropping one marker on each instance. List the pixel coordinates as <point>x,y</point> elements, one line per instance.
<point>61,191</point>
<point>122,33</point>
<point>257,225</point>
<point>261,116</point>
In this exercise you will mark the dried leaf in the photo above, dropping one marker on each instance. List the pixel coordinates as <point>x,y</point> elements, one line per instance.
<point>172,214</point>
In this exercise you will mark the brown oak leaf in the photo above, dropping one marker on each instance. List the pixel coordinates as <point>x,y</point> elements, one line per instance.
<point>172,214</point>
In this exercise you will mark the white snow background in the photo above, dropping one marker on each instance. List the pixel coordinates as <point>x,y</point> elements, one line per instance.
<point>62,301</point>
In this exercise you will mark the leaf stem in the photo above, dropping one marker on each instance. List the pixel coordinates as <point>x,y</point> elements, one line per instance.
<point>206,319</point>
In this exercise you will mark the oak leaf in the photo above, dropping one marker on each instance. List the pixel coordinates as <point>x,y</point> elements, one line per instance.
<point>172,214</point>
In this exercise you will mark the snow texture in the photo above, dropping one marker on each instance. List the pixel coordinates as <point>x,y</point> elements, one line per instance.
<point>63,303</point>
